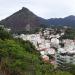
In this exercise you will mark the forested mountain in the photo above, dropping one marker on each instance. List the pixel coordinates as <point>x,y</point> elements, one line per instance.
<point>22,20</point>
<point>68,21</point>
<point>25,20</point>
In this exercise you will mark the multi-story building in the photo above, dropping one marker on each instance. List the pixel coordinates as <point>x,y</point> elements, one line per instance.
<point>65,58</point>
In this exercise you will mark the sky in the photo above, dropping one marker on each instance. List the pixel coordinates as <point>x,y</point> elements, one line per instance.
<point>43,8</point>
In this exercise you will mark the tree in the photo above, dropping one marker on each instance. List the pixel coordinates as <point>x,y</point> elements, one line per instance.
<point>69,34</point>
<point>4,34</point>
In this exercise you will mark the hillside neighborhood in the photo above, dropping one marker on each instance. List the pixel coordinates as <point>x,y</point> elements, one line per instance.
<point>37,37</point>
<point>51,48</point>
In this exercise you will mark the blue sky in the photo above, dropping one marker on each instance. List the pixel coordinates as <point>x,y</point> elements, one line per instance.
<point>43,8</point>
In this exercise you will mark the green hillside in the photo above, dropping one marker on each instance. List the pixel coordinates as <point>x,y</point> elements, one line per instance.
<point>18,57</point>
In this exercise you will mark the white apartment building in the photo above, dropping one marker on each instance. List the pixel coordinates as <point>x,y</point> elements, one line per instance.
<point>66,55</point>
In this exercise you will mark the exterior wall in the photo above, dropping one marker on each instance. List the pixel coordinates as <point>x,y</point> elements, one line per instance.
<point>63,60</point>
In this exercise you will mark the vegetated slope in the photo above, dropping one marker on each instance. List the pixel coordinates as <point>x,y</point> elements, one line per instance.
<point>18,57</point>
<point>67,21</point>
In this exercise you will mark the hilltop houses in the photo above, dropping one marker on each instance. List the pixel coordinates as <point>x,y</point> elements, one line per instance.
<point>51,48</point>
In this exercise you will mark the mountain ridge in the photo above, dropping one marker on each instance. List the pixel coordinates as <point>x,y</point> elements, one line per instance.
<point>19,20</point>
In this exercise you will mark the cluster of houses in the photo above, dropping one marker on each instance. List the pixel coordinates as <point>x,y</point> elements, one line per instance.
<point>44,46</point>
<point>50,47</point>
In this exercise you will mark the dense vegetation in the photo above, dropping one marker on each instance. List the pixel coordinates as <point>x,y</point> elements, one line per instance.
<point>69,33</point>
<point>18,57</point>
